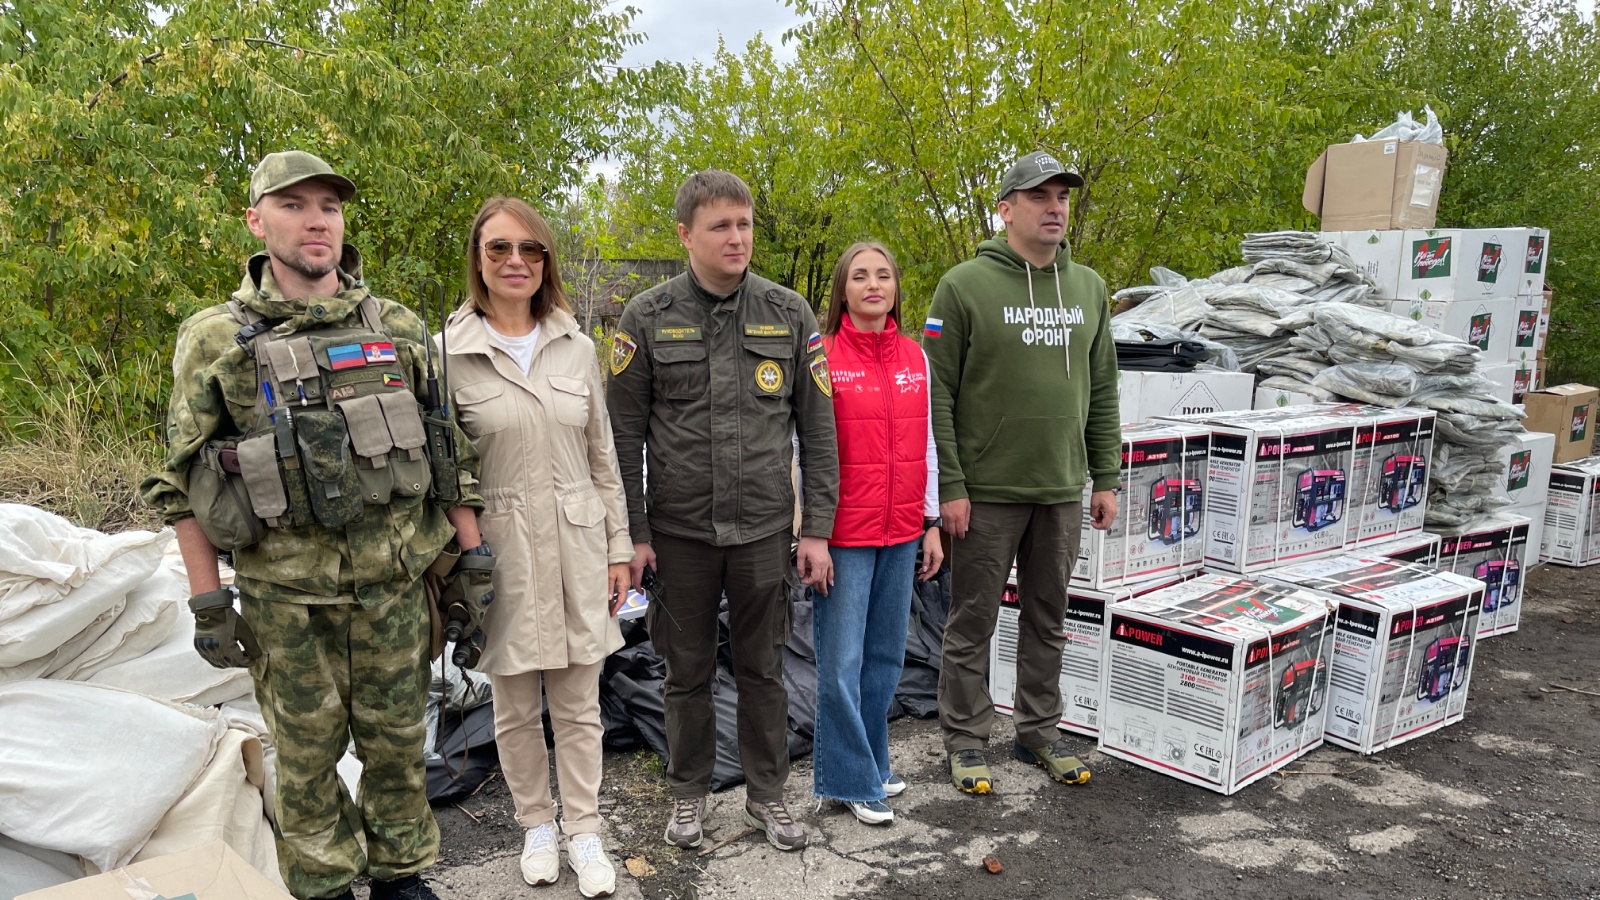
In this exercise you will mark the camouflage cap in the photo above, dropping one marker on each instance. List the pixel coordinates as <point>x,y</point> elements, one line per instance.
<point>1035,169</point>
<point>280,170</point>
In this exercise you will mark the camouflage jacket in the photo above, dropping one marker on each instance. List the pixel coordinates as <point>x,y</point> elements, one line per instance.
<point>214,396</point>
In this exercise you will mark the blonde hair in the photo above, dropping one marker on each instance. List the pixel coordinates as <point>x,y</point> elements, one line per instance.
<point>550,294</point>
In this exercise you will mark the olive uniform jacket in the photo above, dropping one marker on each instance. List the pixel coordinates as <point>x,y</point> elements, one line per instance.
<point>716,389</point>
<point>554,512</point>
<point>214,390</point>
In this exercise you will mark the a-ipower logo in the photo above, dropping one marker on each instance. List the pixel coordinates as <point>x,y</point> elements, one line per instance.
<point>1527,327</point>
<point>1430,258</point>
<point>1580,423</point>
<point>1517,472</point>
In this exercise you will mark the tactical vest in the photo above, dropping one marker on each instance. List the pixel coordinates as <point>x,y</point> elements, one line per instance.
<point>336,428</point>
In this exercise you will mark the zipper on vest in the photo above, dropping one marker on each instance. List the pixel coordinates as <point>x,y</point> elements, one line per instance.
<point>888,413</point>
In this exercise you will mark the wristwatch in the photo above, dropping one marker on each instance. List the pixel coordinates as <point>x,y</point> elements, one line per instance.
<point>481,550</point>
<point>932,522</point>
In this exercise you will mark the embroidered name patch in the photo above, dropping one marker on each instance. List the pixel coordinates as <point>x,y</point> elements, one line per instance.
<point>622,349</point>
<point>779,329</point>
<point>679,333</point>
<point>769,377</point>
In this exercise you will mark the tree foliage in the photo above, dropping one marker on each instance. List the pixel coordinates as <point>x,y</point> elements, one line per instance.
<point>130,142</point>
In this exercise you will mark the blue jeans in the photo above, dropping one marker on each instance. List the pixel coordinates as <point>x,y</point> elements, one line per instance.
<point>860,634</point>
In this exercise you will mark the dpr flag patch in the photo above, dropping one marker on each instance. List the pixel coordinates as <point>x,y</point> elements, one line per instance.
<point>346,356</point>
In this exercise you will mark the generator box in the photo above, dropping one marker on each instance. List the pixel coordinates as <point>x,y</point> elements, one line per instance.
<point>1486,323</point>
<point>1462,264</point>
<point>1082,687</point>
<point>1160,529</point>
<point>1278,488</point>
<point>1495,552</point>
<point>1403,646</point>
<point>1418,547</point>
<point>1217,681</point>
<point>1389,479</point>
<point>1571,515</point>
<point>1378,253</point>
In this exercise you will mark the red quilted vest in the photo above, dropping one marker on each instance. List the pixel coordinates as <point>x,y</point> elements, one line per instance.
<point>880,405</point>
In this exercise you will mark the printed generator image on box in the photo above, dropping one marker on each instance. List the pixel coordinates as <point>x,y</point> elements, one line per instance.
<point>1495,552</point>
<point>1159,530</point>
<point>1278,488</point>
<point>1081,658</point>
<point>1389,478</point>
<point>1404,640</point>
<point>1217,681</point>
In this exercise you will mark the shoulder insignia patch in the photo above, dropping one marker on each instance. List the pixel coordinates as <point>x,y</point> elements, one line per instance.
<point>622,350</point>
<point>932,327</point>
<point>769,377</point>
<point>814,343</point>
<point>819,374</point>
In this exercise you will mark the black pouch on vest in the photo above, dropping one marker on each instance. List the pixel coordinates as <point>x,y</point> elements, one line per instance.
<point>330,470</point>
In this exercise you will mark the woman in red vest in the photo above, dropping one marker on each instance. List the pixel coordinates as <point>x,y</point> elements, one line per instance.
<point>888,501</point>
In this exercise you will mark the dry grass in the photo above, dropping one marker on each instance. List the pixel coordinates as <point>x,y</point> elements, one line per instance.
<point>80,457</point>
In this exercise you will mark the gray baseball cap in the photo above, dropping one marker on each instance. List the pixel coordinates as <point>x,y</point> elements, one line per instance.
<point>280,170</point>
<point>1035,169</point>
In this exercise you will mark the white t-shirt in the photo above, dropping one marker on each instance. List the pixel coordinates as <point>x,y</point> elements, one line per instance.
<point>520,348</point>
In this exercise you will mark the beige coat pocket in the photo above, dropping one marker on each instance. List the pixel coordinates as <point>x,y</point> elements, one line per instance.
<point>571,400</point>
<point>478,408</point>
<point>584,511</point>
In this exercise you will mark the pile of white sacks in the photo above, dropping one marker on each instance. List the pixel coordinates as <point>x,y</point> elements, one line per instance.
<point>119,743</point>
<point>1304,318</point>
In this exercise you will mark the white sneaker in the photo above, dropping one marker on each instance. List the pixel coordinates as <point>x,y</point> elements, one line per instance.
<point>596,877</point>
<point>541,856</point>
<point>894,786</point>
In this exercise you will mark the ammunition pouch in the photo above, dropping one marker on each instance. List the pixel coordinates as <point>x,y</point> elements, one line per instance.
<point>220,500</point>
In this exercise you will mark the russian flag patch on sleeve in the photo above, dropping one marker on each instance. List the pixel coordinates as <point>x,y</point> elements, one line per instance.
<point>932,327</point>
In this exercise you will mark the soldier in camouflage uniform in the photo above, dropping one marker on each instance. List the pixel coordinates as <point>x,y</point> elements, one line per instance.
<point>333,622</point>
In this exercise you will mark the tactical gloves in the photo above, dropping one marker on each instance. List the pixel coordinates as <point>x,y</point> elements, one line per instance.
<point>468,591</point>
<point>221,637</point>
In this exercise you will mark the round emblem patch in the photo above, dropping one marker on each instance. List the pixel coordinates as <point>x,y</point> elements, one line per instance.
<point>769,377</point>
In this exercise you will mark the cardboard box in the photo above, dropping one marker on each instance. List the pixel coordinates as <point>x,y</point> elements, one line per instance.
<point>1459,264</point>
<point>1486,324</point>
<point>1495,552</point>
<point>1403,647</point>
<point>1376,185</point>
<point>1535,515</point>
<point>1566,411</point>
<point>1389,478</point>
<point>1145,395</point>
<point>1217,681</point>
<point>1378,253</point>
<point>1277,398</point>
<point>1278,488</point>
<point>211,871</point>
<point>1527,462</point>
<point>1082,688</point>
<point>1571,515</point>
<point>1504,378</point>
<point>1419,547</point>
<point>1160,529</point>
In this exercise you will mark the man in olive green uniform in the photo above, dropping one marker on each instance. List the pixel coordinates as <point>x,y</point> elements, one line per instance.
<point>718,373</point>
<point>333,621</point>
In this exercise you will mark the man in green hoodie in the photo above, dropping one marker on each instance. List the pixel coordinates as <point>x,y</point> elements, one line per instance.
<point>1025,412</point>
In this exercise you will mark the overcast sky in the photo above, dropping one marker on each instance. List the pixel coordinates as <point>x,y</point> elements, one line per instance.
<point>686,30</point>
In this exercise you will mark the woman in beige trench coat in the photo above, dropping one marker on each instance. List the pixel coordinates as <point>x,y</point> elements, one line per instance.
<point>526,389</point>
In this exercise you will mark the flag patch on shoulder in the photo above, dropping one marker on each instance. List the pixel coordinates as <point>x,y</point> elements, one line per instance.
<point>932,327</point>
<point>814,343</point>
<point>346,356</point>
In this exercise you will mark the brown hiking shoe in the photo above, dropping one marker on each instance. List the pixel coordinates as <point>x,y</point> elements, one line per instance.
<point>683,829</point>
<point>773,818</point>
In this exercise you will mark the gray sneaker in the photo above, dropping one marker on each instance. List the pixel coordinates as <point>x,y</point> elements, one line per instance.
<point>773,818</point>
<point>683,829</point>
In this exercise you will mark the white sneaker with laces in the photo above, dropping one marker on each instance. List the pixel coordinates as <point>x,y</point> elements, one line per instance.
<point>596,876</point>
<point>894,786</point>
<point>541,856</point>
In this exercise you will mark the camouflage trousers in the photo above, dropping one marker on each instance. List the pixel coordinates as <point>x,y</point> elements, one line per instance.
<point>331,674</point>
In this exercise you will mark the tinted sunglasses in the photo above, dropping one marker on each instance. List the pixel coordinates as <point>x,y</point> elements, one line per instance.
<point>499,251</point>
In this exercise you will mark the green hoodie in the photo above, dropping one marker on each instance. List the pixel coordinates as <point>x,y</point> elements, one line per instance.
<point>1023,409</point>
